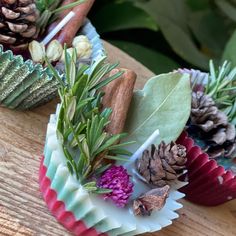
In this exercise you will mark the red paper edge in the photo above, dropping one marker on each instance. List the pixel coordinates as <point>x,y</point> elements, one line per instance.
<point>57,208</point>
<point>208,192</point>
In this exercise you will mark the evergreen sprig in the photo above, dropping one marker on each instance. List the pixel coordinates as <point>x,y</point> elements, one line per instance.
<point>82,122</point>
<point>49,10</point>
<point>221,87</point>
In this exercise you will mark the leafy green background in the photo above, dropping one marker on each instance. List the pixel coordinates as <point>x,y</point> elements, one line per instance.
<point>167,34</point>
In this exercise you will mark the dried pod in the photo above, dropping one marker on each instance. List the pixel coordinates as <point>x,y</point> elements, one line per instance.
<point>152,200</point>
<point>54,50</point>
<point>37,51</point>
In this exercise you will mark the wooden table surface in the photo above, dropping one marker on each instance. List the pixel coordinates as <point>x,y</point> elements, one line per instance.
<point>22,209</point>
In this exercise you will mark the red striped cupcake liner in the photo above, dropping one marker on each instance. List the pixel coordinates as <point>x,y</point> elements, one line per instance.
<point>57,208</point>
<point>209,183</point>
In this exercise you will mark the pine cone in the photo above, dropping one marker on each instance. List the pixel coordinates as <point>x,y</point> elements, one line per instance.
<point>162,164</point>
<point>18,22</point>
<point>213,124</point>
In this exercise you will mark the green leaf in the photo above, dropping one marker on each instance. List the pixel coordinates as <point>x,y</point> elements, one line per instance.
<point>155,61</point>
<point>163,104</point>
<point>71,108</point>
<point>171,17</point>
<point>108,80</point>
<point>121,16</point>
<point>68,6</point>
<point>90,186</point>
<point>116,158</point>
<point>102,191</point>
<point>230,50</point>
<point>70,167</point>
<point>198,5</point>
<point>228,9</point>
<point>207,27</point>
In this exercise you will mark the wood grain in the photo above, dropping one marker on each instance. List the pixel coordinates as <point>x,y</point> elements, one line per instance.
<point>22,210</point>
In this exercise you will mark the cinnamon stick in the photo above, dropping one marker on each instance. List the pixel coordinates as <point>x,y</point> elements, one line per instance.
<point>118,95</point>
<point>61,15</point>
<point>68,33</point>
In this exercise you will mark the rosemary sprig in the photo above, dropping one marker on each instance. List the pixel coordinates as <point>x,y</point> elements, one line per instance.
<point>82,121</point>
<point>49,10</point>
<point>221,87</point>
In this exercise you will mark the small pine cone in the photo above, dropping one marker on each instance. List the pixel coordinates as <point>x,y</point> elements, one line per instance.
<point>205,114</point>
<point>161,164</point>
<point>18,22</point>
<point>213,124</point>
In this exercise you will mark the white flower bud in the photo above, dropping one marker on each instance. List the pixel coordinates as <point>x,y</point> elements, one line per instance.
<point>82,46</point>
<point>37,51</point>
<point>54,50</point>
<point>79,39</point>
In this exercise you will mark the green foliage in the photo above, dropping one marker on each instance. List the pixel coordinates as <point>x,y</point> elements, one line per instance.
<point>230,50</point>
<point>222,88</point>
<point>48,11</point>
<point>163,104</point>
<point>190,31</point>
<point>82,120</point>
<point>156,61</point>
<point>120,13</point>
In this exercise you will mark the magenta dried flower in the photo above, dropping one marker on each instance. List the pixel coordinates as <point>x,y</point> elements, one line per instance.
<point>117,179</point>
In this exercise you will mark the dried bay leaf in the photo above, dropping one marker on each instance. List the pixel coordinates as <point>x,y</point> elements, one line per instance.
<point>164,104</point>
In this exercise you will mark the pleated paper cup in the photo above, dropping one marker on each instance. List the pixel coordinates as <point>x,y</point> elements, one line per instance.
<point>88,214</point>
<point>209,183</point>
<point>25,85</point>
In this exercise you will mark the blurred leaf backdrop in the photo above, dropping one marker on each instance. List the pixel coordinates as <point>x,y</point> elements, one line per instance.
<point>167,34</point>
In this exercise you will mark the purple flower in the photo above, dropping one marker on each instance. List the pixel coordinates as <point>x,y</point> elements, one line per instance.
<point>117,179</point>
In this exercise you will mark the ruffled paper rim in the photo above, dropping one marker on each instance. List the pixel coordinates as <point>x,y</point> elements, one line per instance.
<point>209,183</point>
<point>58,210</point>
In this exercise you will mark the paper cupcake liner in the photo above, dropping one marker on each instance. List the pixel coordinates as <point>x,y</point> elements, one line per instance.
<point>209,183</point>
<point>57,208</point>
<point>92,210</point>
<point>25,85</point>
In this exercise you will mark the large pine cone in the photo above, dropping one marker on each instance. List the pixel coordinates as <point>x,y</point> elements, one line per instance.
<point>162,164</point>
<point>18,22</point>
<point>213,124</point>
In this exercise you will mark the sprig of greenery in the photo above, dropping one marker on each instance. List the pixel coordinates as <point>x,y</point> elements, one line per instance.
<point>49,10</point>
<point>221,87</point>
<point>82,121</point>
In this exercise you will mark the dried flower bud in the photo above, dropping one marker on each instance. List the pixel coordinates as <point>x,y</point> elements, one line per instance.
<point>83,46</point>
<point>54,50</point>
<point>69,51</point>
<point>37,51</point>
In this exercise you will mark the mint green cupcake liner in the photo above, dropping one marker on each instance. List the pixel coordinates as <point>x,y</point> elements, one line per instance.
<point>92,209</point>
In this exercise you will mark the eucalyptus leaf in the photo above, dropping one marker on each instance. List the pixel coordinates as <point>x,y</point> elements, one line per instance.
<point>171,17</point>
<point>230,50</point>
<point>227,8</point>
<point>122,15</point>
<point>155,61</point>
<point>163,104</point>
<point>207,27</point>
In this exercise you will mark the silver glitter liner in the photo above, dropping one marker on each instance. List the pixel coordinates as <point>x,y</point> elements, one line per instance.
<point>25,85</point>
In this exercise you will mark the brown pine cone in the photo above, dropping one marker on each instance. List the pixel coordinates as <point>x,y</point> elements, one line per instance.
<point>161,164</point>
<point>18,22</point>
<point>213,124</point>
